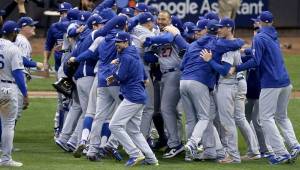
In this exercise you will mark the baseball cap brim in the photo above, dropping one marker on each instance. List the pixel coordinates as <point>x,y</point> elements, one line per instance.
<point>119,40</point>
<point>255,19</point>
<point>34,23</point>
<point>103,21</point>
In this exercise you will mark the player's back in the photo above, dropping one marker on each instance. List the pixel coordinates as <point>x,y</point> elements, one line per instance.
<point>8,60</point>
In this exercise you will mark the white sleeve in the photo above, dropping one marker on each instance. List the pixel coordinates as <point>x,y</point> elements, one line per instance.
<point>95,44</point>
<point>228,57</point>
<point>16,60</point>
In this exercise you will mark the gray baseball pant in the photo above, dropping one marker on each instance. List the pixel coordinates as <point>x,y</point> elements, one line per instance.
<point>125,125</point>
<point>252,115</point>
<point>84,86</point>
<point>8,114</point>
<point>273,105</point>
<point>71,119</point>
<point>149,108</point>
<point>107,102</point>
<point>169,100</point>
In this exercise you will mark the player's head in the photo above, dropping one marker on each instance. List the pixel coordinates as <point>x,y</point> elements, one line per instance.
<point>163,19</point>
<point>227,27</point>
<point>147,20</point>
<point>140,8</point>
<point>212,27</point>
<point>122,41</point>
<point>27,26</point>
<point>200,28</point>
<point>64,8</point>
<point>10,30</point>
<point>128,12</point>
<point>265,18</point>
<point>95,22</point>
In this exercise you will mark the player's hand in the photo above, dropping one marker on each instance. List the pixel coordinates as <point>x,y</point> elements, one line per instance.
<point>110,80</point>
<point>206,55</point>
<point>25,102</point>
<point>58,47</point>
<point>172,29</point>
<point>232,71</point>
<point>115,61</point>
<point>39,65</point>
<point>72,60</point>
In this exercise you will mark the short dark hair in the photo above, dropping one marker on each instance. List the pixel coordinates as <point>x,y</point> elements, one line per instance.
<point>167,12</point>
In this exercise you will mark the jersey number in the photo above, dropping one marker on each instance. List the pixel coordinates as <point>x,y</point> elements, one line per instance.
<point>1,61</point>
<point>166,51</point>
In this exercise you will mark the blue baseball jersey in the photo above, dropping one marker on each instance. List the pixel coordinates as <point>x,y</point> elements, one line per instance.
<point>131,75</point>
<point>268,58</point>
<point>107,52</point>
<point>86,68</point>
<point>194,67</point>
<point>55,37</point>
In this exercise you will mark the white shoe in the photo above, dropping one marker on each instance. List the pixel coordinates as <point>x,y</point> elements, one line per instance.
<point>11,163</point>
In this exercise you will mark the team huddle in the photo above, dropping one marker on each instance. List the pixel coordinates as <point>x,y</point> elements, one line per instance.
<point>128,76</point>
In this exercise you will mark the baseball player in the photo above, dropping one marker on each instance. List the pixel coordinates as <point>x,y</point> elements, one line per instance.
<point>126,121</point>
<point>232,89</point>
<point>107,96</point>
<point>139,34</point>
<point>27,30</point>
<point>54,40</point>
<point>11,81</point>
<point>169,61</point>
<point>275,91</point>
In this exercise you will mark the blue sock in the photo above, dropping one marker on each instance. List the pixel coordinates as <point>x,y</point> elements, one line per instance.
<point>87,123</point>
<point>105,130</point>
<point>61,120</point>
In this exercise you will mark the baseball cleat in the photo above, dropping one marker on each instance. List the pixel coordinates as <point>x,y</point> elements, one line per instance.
<point>11,163</point>
<point>62,145</point>
<point>78,151</point>
<point>134,160</point>
<point>144,162</point>
<point>71,146</point>
<point>114,152</point>
<point>172,152</point>
<point>295,152</point>
<point>275,160</point>
<point>250,157</point>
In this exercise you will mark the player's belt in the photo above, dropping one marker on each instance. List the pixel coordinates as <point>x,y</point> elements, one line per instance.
<point>169,70</point>
<point>8,81</point>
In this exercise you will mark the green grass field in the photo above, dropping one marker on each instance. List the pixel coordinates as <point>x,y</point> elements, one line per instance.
<point>38,152</point>
<point>292,63</point>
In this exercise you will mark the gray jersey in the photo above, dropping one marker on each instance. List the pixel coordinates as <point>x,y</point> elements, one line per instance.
<point>168,56</point>
<point>24,45</point>
<point>233,58</point>
<point>139,35</point>
<point>10,60</point>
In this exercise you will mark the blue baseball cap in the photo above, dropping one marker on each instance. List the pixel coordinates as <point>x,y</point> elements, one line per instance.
<point>107,14</point>
<point>226,22</point>
<point>64,7</point>
<point>84,16</point>
<point>177,22</point>
<point>145,17</point>
<point>94,19</point>
<point>142,7</point>
<point>201,25</point>
<point>9,26</point>
<point>73,14</point>
<point>122,36</point>
<point>266,16</point>
<point>128,11</point>
<point>211,16</point>
<point>122,21</point>
<point>188,28</point>
<point>26,21</point>
<point>154,11</point>
<point>2,12</point>
<point>213,25</point>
